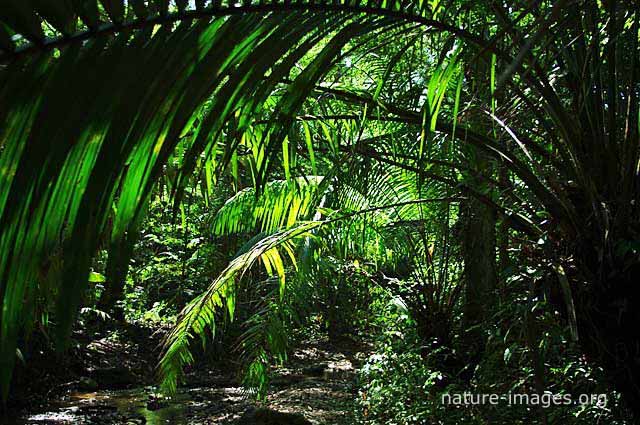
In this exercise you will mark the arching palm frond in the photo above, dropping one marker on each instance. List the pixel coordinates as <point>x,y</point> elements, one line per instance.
<point>100,93</point>
<point>199,314</point>
<point>91,117</point>
<point>97,94</point>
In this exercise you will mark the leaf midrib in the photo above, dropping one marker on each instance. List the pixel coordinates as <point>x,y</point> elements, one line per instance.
<point>111,28</point>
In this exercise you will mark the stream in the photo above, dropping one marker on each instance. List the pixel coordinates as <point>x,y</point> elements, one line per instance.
<point>139,406</point>
<point>316,387</point>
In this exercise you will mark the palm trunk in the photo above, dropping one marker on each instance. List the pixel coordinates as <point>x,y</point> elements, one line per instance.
<point>478,251</point>
<point>117,267</point>
<point>608,320</point>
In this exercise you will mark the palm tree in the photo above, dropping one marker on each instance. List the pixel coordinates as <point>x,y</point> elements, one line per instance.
<point>310,229</point>
<point>98,95</point>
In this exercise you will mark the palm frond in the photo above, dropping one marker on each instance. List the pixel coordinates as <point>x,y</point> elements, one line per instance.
<point>79,117</point>
<point>199,314</point>
<point>353,228</point>
<point>281,205</point>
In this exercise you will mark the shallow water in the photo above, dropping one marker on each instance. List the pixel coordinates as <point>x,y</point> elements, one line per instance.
<point>319,383</point>
<point>114,406</point>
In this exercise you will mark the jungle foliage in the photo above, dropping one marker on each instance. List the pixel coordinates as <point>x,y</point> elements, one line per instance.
<point>455,179</point>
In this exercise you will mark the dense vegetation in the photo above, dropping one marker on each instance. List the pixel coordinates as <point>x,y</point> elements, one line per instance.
<point>453,182</point>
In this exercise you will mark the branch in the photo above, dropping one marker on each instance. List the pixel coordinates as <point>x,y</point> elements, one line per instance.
<point>217,11</point>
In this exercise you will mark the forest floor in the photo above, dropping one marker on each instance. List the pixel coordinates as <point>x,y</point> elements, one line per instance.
<point>110,380</point>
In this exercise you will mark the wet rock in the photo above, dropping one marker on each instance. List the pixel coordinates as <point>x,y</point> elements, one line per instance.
<point>114,377</point>
<point>263,416</point>
<point>104,418</point>
<point>136,420</point>
<point>198,398</point>
<point>315,370</point>
<point>86,384</point>
<point>156,404</point>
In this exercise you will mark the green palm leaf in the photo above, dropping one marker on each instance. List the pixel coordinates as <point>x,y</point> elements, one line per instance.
<point>86,137</point>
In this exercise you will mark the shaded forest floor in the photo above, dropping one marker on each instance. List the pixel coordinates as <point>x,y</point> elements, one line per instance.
<point>110,379</point>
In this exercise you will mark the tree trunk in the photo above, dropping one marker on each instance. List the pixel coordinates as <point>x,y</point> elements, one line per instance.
<point>608,318</point>
<point>117,267</point>
<point>480,279</point>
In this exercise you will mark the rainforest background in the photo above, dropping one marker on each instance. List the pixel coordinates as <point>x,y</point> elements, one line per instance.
<point>445,189</point>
